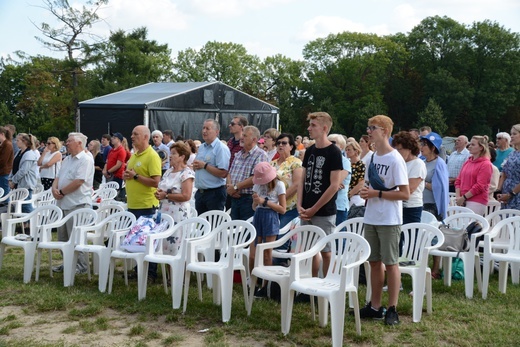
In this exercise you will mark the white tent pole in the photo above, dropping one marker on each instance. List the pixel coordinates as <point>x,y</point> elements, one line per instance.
<point>146,118</point>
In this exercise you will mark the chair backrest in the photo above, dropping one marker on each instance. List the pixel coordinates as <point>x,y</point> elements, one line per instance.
<point>216,218</point>
<point>104,195</point>
<point>193,212</point>
<point>116,222</point>
<point>347,249</point>
<point>453,199</point>
<point>234,234</point>
<point>43,216</point>
<point>451,210</point>
<point>15,196</point>
<point>509,229</point>
<point>111,184</point>
<point>418,241</point>
<point>462,220</point>
<point>495,217</point>
<point>352,225</point>
<point>188,229</point>
<point>80,217</point>
<point>491,207</point>
<point>1,192</point>
<point>108,210</point>
<point>38,189</point>
<point>46,198</point>
<point>429,218</point>
<point>291,225</point>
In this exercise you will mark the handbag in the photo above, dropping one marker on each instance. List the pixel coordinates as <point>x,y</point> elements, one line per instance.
<point>455,239</point>
<point>135,239</point>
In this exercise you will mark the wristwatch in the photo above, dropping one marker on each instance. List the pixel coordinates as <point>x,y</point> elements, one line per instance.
<point>265,202</point>
<point>235,187</point>
<point>136,176</point>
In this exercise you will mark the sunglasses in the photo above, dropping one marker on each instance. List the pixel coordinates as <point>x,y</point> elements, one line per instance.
<point>50,143</point>
<point>233,123</point>
<point>499,138</point>
<point>373,127</point>
<point>283,143</point>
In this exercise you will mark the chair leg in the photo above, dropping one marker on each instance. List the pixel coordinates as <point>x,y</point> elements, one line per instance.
<point>164,278</point>
<point>429,294</point>
<point>337,321</point>
<point>38,264</point>
<point>69,262</point>
<point>515,272</point>
<point>323,311</point>
<point>142,278</point>
<point>476,261</point>
<point>469,275</point>
<point>418,297</point>
<point>288,312</point>
<point>226,290</point>
<point>244,288</point>
<point>446,267</point>
<point>252,279</point>
<point>144,285</point>
<point>29,263</point>
<point>502,276</point>
<point>104,259</point>
<point>176,287</point>
<point>368,295</point>
<point>112,268</point>
<point>357,317</point>
<point>187,275</point>
<point>485,278</point>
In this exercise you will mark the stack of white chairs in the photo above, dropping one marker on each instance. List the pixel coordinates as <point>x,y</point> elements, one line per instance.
<point>233,237</point>
<point>451,210</point>
<point>80,217</point>
<point>40,218</point>
<point>16,197</point>
<point>103,196</point>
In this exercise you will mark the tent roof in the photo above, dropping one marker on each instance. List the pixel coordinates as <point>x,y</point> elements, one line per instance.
<point>164,95</point>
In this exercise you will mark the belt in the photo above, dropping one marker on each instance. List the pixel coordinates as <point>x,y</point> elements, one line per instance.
<point>202,191</point>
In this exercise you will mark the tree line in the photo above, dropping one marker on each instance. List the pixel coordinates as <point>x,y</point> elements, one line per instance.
<point>456,78</point>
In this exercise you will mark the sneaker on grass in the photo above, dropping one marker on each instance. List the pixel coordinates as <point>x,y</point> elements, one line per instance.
<point>391,317</point>
<point>369,312</point>
<point>58,268</point>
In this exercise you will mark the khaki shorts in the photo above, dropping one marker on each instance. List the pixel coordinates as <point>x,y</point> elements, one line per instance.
<point>384,243</point>
<point>326,223</point>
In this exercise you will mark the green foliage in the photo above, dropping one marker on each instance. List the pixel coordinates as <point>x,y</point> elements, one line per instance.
<point>433,117</point>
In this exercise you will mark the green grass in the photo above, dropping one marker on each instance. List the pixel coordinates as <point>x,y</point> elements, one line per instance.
<point>88,313</point>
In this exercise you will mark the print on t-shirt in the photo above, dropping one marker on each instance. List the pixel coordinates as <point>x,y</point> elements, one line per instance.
<point>314,176</point>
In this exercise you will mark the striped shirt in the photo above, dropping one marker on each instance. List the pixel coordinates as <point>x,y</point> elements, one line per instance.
<point>243,166</point>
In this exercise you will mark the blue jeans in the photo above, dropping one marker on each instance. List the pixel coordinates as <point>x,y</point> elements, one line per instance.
<point>28,208</point>
<point>288,217</point>
<point>242,208</point>
<point>410,215</point>
<point>4,184</point>
<point>341,216</point>
<point>210,199</point>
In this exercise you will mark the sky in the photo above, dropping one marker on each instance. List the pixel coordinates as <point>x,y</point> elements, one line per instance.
<point>263,27</point>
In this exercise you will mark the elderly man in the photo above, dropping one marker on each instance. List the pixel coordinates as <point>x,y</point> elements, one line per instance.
<point>456,159</point>
<point>211,169</point>
<point>161,149</point>
<point>240,177</point>
<point>503,149</point>
<point>72,188</point>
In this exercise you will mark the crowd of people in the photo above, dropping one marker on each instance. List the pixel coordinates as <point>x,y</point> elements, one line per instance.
<point>274,177</point>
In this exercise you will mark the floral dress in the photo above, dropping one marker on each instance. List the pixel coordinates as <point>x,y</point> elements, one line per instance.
<point>179,211</point>
<point>511,168</point>
<point>285,171</point>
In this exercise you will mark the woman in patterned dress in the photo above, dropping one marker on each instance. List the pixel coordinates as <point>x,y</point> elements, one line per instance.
<point>175,190</point>
<point>509,182</point>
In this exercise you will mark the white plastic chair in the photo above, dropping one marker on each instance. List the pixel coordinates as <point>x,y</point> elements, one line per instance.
<point>491,207</point>
<point>111,184</point>
<point>119,221</point>
<point>429,218</point>
<point>103,196</point>
<point>356,226</point>
<point>185,230</point>
<point>138,257</point>
<point>470,258</point>
<point>348,251</point>
<point>453,199</point>
<point>39,218</point>
<point>215,219</point>
<point>233,236</point>
<point>16,197</point>
<point>306,237</point>
<point>283,254</point>
<point>45,198</point>
<point>501,240</point>
<point>80,217</point>
<point>417,246</point>
<point>451,210</point>
<point>509,227</point>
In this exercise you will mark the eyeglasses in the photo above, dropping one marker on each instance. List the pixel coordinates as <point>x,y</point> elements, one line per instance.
<point>373,127</point>
<point>232,123</point>
<point>50,143</point>
<point>499,138</point>
<point>283,143</point>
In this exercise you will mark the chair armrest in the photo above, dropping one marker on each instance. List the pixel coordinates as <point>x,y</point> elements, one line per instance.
<point>193,245</point>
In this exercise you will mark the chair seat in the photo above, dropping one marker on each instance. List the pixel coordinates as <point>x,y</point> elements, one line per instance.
<point>319,286</point>
<point>511,256</point>
<point>52,245</point>
<point>271,273</point>
<point>13,241</point>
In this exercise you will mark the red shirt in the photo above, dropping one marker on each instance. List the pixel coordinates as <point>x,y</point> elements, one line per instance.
<point>117,154</point>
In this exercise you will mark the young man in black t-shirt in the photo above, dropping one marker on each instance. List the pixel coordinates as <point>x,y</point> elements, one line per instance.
<point>322,167</point>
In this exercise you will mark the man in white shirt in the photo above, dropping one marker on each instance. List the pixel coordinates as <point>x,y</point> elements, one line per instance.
<point>456,159</point>
<point>72,189</point>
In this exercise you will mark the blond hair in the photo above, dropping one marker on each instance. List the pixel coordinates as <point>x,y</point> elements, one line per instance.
<point>382,121</point>
<point>321,117</point>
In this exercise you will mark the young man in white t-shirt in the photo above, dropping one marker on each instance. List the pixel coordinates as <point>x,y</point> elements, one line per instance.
<point>383,219</point>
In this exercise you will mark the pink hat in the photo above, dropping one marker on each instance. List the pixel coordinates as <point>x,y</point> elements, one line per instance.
<point>264,173</point>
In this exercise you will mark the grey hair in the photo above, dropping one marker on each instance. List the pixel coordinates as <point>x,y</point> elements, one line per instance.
<point>254,130</point>
<point>80,138</point>
<point>157,132</point>
<point>216,125</point>
<point>505,136</point>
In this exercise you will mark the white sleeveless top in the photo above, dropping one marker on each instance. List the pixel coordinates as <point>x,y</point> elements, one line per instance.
<point>50,172</point>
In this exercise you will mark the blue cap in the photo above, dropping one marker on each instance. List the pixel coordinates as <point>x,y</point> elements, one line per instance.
<point>435,139</point>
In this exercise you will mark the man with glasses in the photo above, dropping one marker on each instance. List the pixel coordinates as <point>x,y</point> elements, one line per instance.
<point>456,159</point>
<point>236,128</point>
<point>387,187</point>
<point>503,149</point>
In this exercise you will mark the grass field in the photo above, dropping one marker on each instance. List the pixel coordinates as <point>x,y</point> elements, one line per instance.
<point>47,314</point>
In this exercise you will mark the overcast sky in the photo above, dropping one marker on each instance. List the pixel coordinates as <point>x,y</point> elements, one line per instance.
<point>264,27</point>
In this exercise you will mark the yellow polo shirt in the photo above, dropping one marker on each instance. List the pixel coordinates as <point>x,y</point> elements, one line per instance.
<point>147,164</point>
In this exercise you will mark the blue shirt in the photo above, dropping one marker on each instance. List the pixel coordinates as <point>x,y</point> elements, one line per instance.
<point>342,198</point>
<point>501,156</point>
<point>215,154</point>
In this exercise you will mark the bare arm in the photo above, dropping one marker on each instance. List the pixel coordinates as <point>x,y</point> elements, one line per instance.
<point>296,181</point>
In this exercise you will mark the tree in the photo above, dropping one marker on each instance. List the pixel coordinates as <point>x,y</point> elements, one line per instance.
<point>130,60</point>
<point>72,36</point>
<point>433,117</point>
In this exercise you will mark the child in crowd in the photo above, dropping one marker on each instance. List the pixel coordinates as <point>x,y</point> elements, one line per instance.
<point>268,202</point>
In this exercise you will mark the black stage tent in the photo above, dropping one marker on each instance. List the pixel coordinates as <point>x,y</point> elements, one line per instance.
<point>181,107</point>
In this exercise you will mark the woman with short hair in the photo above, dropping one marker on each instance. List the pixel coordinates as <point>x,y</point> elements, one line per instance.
<point>25,168</point>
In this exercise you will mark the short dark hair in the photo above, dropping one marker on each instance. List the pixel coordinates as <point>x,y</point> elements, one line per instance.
<point>291,141</point>
<point>168,133</point>
<point>242,120</point>
<point>407,141</point>
<point>106,136</point>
